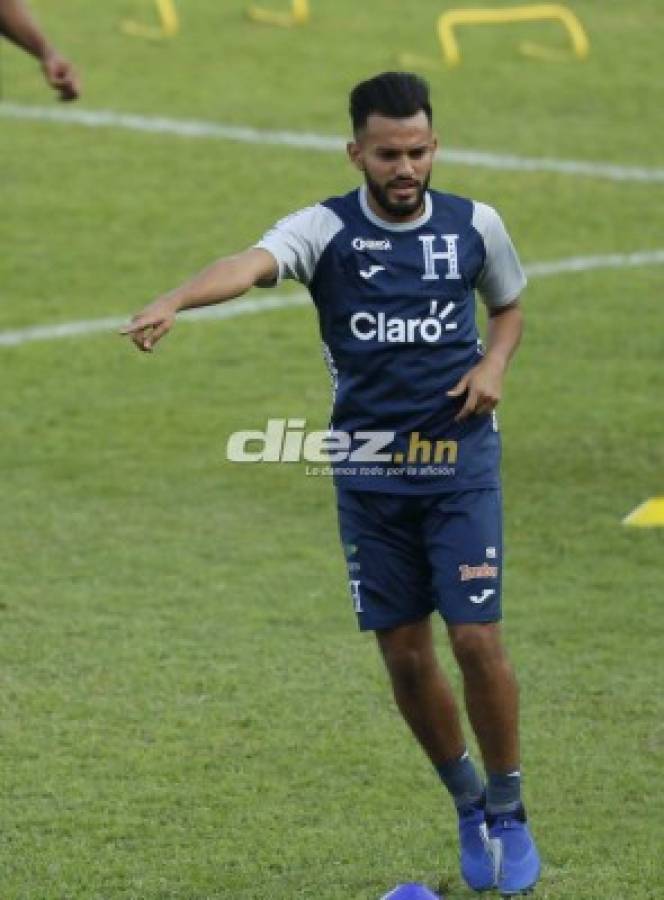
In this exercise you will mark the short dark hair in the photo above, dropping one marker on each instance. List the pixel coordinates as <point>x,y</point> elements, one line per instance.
<point>397,95</point>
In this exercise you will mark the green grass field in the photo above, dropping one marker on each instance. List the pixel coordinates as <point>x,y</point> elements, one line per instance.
<point>188,711</point>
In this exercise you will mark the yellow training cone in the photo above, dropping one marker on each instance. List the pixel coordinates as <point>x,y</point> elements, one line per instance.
<point>648,515</point>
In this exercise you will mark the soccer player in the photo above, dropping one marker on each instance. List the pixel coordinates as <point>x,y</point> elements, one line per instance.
<point>392,269</point>
<point>17,23</point>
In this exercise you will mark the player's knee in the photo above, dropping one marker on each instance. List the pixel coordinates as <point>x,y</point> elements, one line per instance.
<point>409,668</point>
<point>478,647</point>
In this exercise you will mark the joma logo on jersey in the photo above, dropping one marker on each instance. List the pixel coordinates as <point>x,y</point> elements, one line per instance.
<point>431,256</point>
<point>368,326</point>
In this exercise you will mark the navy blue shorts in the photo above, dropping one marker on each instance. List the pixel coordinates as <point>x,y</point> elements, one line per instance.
<point>409,555</point>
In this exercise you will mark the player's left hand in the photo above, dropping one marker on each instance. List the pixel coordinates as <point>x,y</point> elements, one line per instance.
<point>60,74</point>
<point>482,386</point>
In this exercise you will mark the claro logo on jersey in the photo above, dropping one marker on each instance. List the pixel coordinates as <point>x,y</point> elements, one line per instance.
<point>370,326</point>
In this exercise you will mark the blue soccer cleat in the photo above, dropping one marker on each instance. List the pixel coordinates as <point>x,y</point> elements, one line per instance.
<point>518,856</point>
<point>479,854</point>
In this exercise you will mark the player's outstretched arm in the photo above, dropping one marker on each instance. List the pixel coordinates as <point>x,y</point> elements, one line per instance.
<point>17,23</point>
<point>229,277</point>
<point>482,386</point>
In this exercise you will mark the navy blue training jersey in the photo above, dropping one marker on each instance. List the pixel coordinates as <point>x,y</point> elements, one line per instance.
<point>396,307</point>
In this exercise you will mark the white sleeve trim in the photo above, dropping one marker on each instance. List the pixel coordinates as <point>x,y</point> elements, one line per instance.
<point>297,242</point>
<point>502,278</point>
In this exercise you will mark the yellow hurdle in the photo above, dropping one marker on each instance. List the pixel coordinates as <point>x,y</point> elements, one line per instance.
<point>169,24</point>
<point>299,14</point>
<point>538,12</point>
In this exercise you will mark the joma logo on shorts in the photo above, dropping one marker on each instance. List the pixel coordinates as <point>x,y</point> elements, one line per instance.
<point>467,573</point>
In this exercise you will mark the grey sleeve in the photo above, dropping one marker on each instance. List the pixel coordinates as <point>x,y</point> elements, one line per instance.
<point>298,241</point>
<point>502,277</point>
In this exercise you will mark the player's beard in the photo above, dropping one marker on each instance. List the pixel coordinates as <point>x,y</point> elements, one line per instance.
<point>403,209</point>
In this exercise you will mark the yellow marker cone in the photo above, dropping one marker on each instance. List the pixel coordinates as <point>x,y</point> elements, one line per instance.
<point>168,27</point>
<point>299,15</point>
<point>648,515</point>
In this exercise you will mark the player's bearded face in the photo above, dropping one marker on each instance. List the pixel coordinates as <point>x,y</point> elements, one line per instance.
<point>395,157</point>
<point>400,196</point>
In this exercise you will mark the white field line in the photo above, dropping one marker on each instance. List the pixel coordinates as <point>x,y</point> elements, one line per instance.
<point>587,263</point>
<point>249,305</point>
<point>229,310</point>
<point>192,128</point>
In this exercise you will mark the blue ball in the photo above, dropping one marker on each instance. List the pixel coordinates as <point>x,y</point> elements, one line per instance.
<point>411,892</point>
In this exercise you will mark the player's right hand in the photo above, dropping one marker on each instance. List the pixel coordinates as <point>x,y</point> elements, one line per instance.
<point>150,325</point>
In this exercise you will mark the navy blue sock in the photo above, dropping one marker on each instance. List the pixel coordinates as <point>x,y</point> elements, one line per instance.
<point>462,781</point>
<point>503,793</point>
